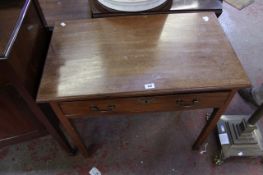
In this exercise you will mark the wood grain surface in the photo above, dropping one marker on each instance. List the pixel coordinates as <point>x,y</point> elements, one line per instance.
<point>9,14</point>
<point>118,56</point>
<point>72,109</point>
<point>172,6</point>
<point>61,10</point>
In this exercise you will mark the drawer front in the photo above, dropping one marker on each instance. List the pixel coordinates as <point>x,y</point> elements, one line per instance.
<point>144,104</point>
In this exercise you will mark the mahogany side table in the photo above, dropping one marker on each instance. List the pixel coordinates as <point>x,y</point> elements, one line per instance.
<point>140,64</point>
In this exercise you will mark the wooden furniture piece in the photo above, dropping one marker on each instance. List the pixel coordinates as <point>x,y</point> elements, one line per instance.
<point>140,64</point>
<point>172,6</point>
<point>62,10</point>
<point>23,46</point>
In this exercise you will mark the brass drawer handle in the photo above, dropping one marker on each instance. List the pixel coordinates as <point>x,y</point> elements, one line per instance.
<point>109,108</point>
<point>187,104</point>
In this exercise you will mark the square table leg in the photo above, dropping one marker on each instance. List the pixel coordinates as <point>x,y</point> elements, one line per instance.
<point>212,122</point>
<point>70,129</point>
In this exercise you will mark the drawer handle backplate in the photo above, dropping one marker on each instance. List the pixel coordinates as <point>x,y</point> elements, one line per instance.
<point>186,104</point>
<point>109,108</point>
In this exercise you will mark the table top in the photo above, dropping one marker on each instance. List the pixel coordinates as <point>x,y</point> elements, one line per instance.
<point>139,55</point>
<point>11,13</point>
<point>172,6</point>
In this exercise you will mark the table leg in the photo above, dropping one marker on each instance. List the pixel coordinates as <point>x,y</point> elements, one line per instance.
<point>70,129</point>
<point>211,124</point>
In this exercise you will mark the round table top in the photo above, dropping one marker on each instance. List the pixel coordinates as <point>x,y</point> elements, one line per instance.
<point>131,5</point>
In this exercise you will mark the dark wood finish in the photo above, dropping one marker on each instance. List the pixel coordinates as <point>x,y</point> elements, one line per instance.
<point>21,63</point>
<point>22,30</point>
<point>17,120</point>
<point>105,63</point>
<point>143,104</point>
<point>29,42</point>
<point>172,6</point>
<point>9,14</point>
<point>63,10</point>
<point>57,11</point>
<point>70,129</point>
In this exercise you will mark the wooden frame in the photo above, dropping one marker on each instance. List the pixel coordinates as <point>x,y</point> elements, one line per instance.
<point>21,63</point>
<point>106,67</point>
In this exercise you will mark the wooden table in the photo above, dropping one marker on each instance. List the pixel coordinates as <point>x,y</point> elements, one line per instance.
<point>59,11</point>
<point>140,64</point>
<point>172,6</point>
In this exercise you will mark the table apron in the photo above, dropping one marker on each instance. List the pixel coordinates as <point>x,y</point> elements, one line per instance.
<point>80,108</point>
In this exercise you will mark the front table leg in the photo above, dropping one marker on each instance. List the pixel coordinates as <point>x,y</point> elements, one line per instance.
<point>211,123</point>
<point>70,129</point>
